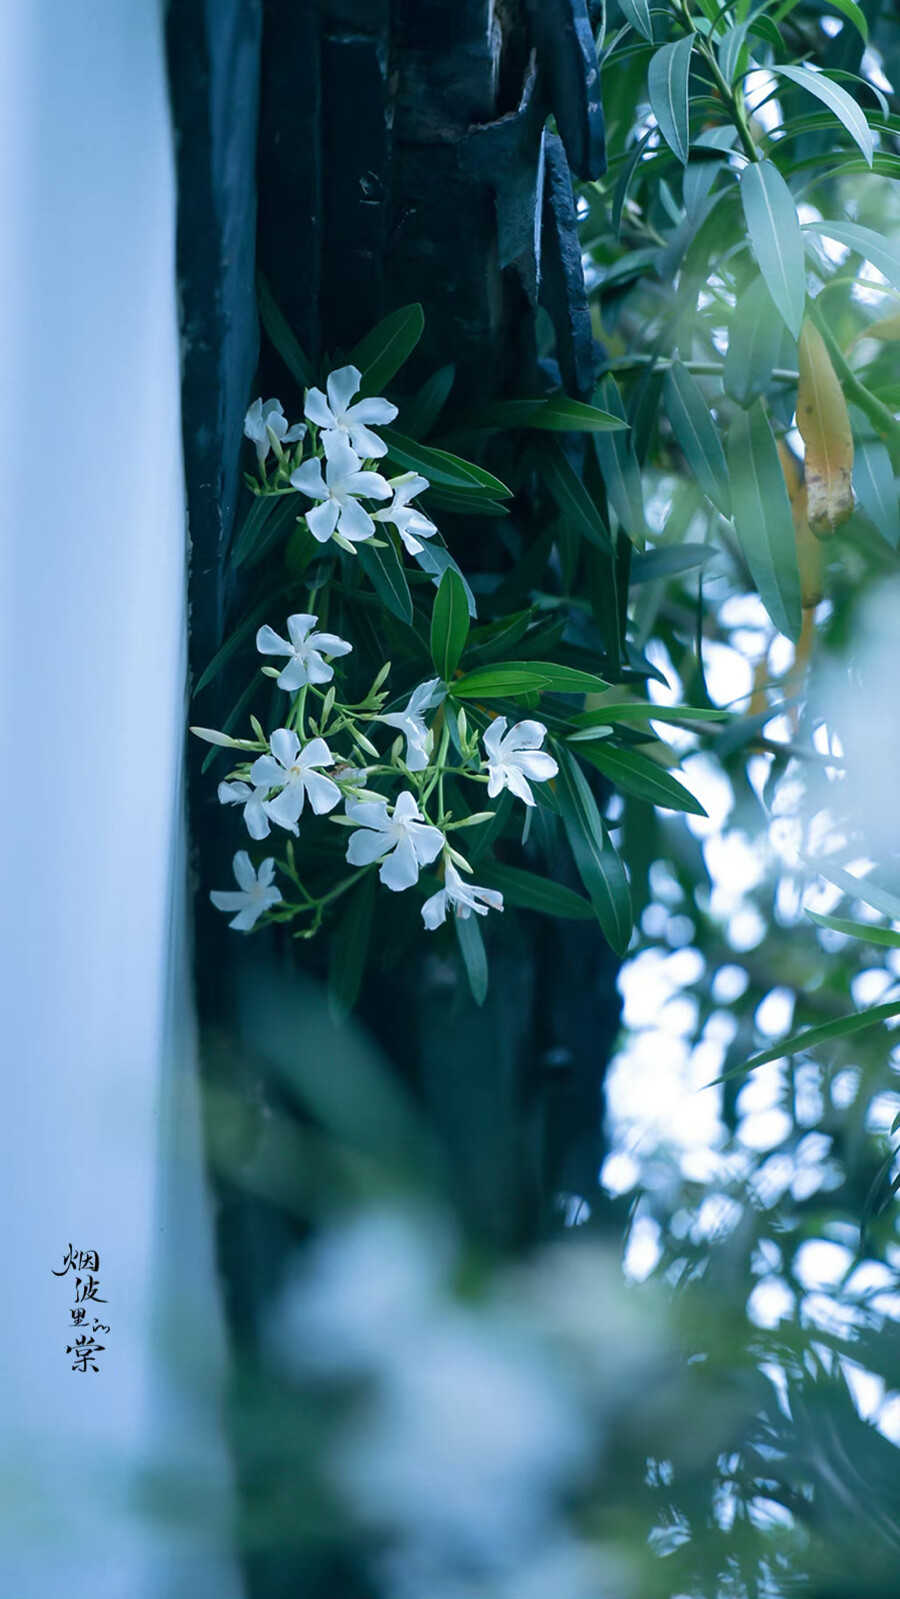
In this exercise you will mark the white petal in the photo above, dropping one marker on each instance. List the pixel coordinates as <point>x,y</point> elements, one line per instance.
<point>355,523</point>
<point>285,745</point>
<point>342,461</point>
<point>496,781</point>
<point>406,809</point>
<point>268,642</point>
<point>420,699</point>
<point>492,736</point>
<point>330,644</point>
<point>401,868</point>
<point>294,675</point>
<point>417,741</point>
<point>234,793</point>
<point>369,813</point>
<point>434,911</point>
<point>373,410</point>
<point>427,841</point>
<point>228,899</point>
<point>365,443</point>
<point>369,484</point>
<point>341,386</point>
<point>525,736</point>
<point>324,795</point>
<point>309,480</point>
<point>287,807</point>
<point>267,773</point>
<point>248,917</point>
<point>317,669</point>
<point>318,410</point>
<point>242,867</point>
<point>366,847</point>
<point>411,544</point>
<point>266,872</point>
<point>256,818</point>
<point>316,753</point>
<point>516,783</point>
<point>490,896</point>
<point>322,520</point>
<point>295,433</point>
<point>254,426</point>
<point>536,764</point>
<point>300,625</point>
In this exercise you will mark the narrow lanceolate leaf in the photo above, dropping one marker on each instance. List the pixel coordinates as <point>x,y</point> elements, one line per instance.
<point>639,775</point>
<point>667,84</point>
<point>440,467</point>
<point>383,351</point>
<point>885,328</point>
<point>824,425</point>
<point>449,624</point>
<point>275,324</point>
<point>774,230</point>
<point>534,893</point>
<point>435,560</point>
<point>644,711</point>
<point>732,52</point>
<point>233,642</point>
<point>637,12</point>
<point>809,549</point>
<point>471,945</point>
<point>525,677</point>
<point>837,100</point>
<point>861,888</point>
<point>697,435</point>
<point>572,497</point>
<point>754,341</point>
<point>884,936</point>
<point>618,465</point>
<point>873,480</point>
<point>598,864</point>
<point>762,517</point>
<point>385,573</point>
<point>850,10</point>
<point>881,251</point>
<point>812,1037</point>
<point>559,414</point>
<point>350,947</point>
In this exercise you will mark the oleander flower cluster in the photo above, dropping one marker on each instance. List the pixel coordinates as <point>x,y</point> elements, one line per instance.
<point>323,765</point>
<point>333,465</point>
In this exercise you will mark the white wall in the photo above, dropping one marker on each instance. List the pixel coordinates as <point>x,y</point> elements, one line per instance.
<point>98,1130</point>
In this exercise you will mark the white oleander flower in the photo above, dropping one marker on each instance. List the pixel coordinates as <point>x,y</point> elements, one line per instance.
<point>306,649</point>
<point>338,490</point>
<point>463,897</point>
<point>252,801</point>
<point>336,416</point>
<point>293,771</point>
<point>515,756</point>
<point>412,525</point>
<point>255,893</point>
<point>263,416</point>
<point>403,842</point>
<point>418,736</point>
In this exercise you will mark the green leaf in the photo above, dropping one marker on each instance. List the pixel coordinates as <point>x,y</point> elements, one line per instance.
<point>535,893</point>
<point>811,1037</point>
<point>441,467</point>
<point>882,252</point>
<point>837,100</point>
<point>860,888</point>
<point>697,435</point>
<point>599,866</point>
<point>276,326</point>
<point>643,711</point>
<point>639,775</point>
<point>499,682</point>
<point>421,413</point>
<point>774,229</point>
<point>621,473</point>
<point>884,936</point>
<point>572,497</point>
<point>350,948</point>
<point>670,561</point>
<point>873,480</point>
<point>667,85</point>
<point>850,10</point>
<point>762,517</point>
<point>569,679</point>
<point>385,573</point>
<point>754,343</point>
<point>472,949</point>
<point>731,52</point>
<point>270,516</point>
<point>449,624</point>
<point>383,351</point>
<point>624,180</point>
<point>637,12</point>
<point>559,414</point>
<point>435,560</point>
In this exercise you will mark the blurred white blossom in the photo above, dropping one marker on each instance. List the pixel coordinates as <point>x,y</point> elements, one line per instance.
<point>265,418</point>
<point>254,895</point>
<point>463,897</point>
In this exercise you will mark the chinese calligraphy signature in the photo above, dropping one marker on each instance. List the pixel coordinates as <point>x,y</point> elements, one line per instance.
<point>87,1289</point>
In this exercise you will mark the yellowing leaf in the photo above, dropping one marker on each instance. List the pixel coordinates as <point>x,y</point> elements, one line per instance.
<point>825,429</point>
<point>809,550</point>
<point>887,328</point>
